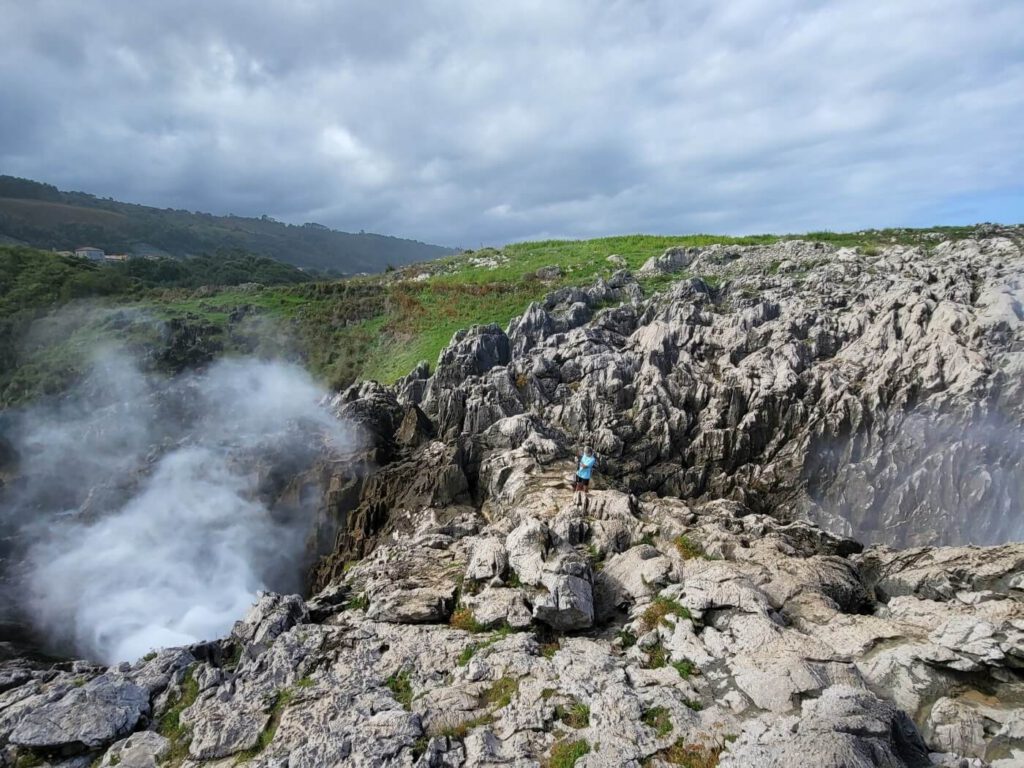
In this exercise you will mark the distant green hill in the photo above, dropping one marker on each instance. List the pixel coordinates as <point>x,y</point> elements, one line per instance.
<point>42,216</point>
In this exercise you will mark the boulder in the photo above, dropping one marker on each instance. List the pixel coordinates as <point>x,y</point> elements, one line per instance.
<point>844,728</point>
<point>87,716</point>
<point>145,749</point>
<point>269,617</point>
<point>634,576</point>
<point>496,607</point>
<point>672,260</point>
<point>952,726</point>
<point>489,560</point>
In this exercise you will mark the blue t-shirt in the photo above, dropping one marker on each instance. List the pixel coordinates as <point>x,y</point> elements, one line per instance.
<point>586,467</point>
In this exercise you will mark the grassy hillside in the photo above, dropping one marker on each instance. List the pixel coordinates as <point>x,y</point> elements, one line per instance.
<point>375,327</point>
<point>42,216</point>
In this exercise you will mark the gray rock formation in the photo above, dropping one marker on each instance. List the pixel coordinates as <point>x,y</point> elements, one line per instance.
<point>877,394</point>
<point>726,633</point>
<point>706,605</point>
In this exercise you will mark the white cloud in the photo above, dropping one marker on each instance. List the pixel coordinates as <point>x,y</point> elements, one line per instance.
<point>463,122</point>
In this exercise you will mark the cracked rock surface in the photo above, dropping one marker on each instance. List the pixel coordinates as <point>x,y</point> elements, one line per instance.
<point>767,411</point>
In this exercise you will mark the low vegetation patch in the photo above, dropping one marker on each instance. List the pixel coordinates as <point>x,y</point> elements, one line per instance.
<point>169,724</point>
<point>575,715</point>
<point>658,657</point>
<point>658,719</point>
<point>470,650</point>
<point>463,618</point>
<point>501,692</point>
<point>548,650</point>
<point>401,688</point>
<point>698,754</point>
<point>626,638</point>
<point>688,548</point>
<point>685,668</point>
<point>498,695</point>
<point>28,759</point>
<point>461,731</point>
<point>358,603</point>
<point>564,754</point>
<point>658,611</point>
<point>281,700</point>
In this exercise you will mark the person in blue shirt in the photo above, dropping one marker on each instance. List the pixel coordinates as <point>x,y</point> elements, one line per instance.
<point>584,468</point>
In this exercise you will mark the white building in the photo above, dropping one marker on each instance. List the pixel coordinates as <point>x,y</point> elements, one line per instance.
<point>88,252</point>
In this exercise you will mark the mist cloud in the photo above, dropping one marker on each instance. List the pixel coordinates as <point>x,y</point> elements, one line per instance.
<point>150,511</point>
<point>464,123</point>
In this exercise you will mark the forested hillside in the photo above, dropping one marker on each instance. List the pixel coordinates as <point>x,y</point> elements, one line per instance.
<point>35,284</point>
<point>42,216</point>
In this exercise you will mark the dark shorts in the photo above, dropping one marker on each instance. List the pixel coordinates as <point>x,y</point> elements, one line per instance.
<point>584,481</point>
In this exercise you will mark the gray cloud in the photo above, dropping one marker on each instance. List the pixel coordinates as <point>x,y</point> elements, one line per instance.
<point>463,123</point>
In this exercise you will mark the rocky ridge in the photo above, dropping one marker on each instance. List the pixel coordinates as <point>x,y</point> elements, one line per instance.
<point>470,614</point>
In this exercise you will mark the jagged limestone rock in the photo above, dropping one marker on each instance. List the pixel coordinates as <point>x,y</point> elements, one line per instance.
<point>696,596</point>
<point>83,716</point>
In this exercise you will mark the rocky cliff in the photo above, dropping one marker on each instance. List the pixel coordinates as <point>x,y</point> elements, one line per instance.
<point>708,604</point>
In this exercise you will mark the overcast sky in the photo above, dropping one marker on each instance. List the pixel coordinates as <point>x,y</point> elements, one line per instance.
<point>465,123</point>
